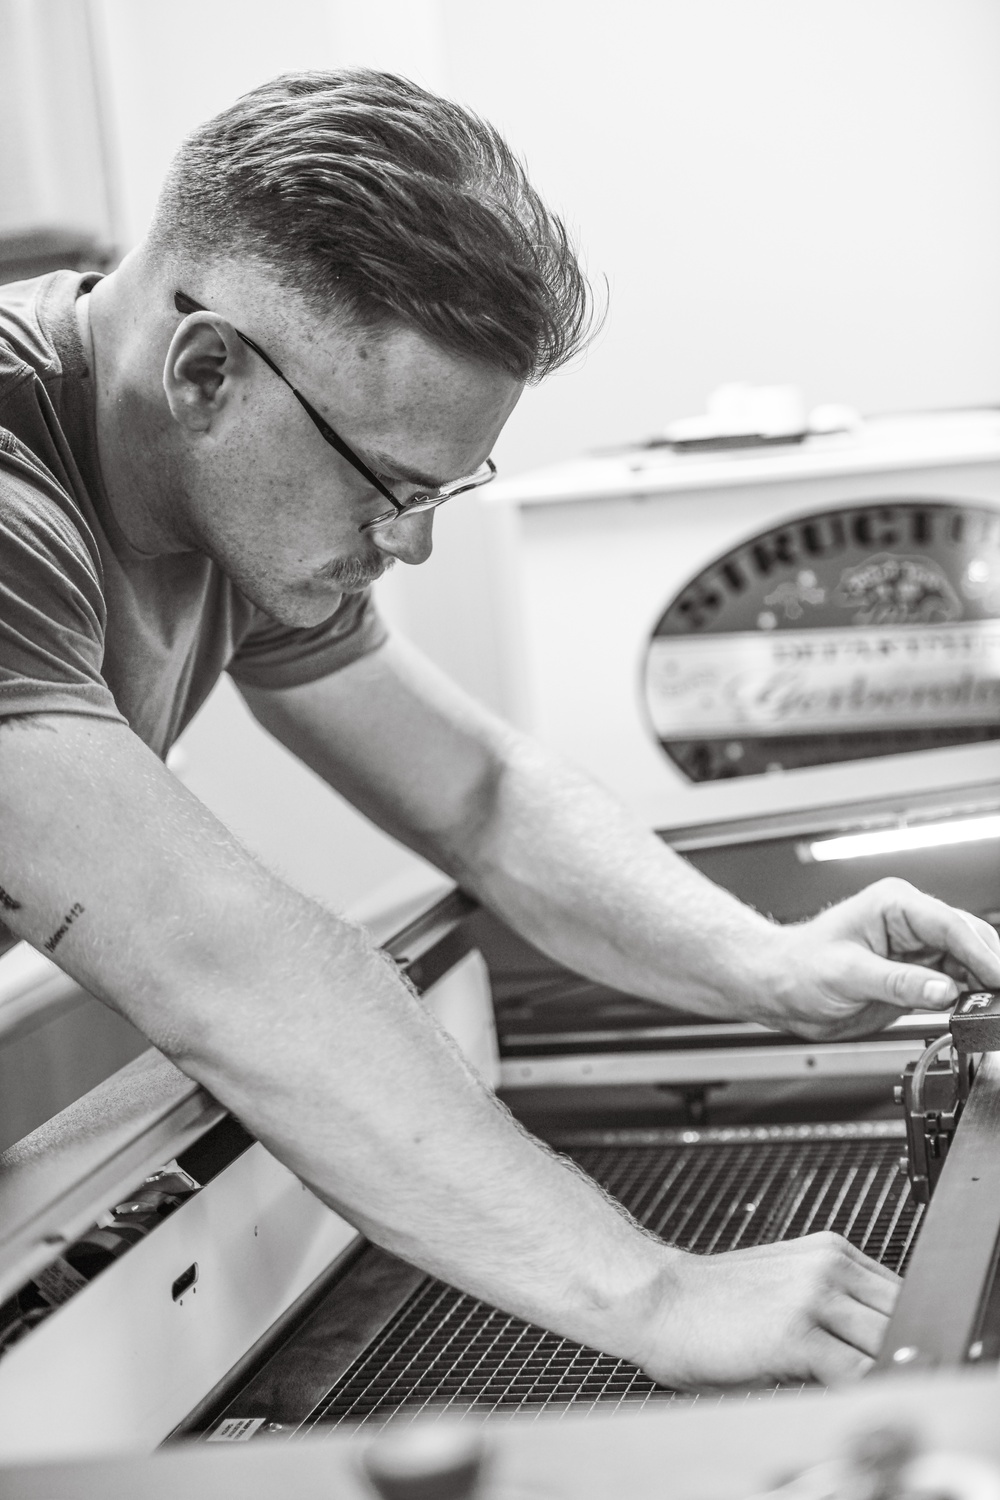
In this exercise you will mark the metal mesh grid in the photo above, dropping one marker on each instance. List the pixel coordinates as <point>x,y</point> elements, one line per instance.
<point>704,1191</point>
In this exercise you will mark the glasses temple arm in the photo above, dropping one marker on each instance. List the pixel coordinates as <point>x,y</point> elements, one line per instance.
<point>185,304</point>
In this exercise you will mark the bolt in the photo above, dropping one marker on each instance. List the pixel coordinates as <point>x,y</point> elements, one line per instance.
<point>905,1355</point>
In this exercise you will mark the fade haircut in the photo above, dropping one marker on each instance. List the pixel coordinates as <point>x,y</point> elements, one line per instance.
<point>385,204</point>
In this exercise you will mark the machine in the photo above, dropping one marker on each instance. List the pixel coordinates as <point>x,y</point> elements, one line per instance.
<point>163,1278</point>
<point>717,634</point>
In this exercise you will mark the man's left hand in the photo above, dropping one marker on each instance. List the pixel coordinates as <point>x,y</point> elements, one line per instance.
<point>858,965</point>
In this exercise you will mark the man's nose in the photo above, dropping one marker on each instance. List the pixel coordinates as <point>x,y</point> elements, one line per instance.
<point>408,538</point>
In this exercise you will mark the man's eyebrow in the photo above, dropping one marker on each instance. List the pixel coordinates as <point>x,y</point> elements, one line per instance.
<point>398,470</point>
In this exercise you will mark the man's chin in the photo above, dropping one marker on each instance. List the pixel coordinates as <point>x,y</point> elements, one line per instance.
<point>305,603</point>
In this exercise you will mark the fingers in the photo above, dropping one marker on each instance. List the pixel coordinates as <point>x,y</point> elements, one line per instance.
<point>913,987</point>
<point>855,1324</point>
<point>847,1275</point>
<point>833,1362</point>
<point>865,976</point>
<point>871,1282</point>
<point>812,1308</point>
<point>877,1294</point>
<point>887,945</point>
<point>915,920</point>
<point>834,1244</point>
<point>854,1307</point>
<point>989,934</point>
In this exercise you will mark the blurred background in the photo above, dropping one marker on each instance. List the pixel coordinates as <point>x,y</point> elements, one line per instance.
<point>772,191</point>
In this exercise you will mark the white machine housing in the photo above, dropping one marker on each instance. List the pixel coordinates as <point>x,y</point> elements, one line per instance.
<point>581,560</point>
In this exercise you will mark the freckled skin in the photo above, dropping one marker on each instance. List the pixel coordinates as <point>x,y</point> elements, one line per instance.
<point>239,471</point>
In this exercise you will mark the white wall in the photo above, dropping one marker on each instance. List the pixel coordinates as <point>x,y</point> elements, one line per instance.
<point>51,151</point>
<point>775,191</point>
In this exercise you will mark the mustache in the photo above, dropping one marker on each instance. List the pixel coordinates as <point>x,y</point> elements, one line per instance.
<point>353,573</point>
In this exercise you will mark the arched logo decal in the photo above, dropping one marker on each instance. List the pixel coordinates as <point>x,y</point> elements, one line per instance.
<point>862,631</point>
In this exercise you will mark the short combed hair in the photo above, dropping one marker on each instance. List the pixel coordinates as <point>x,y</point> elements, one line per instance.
<point>386,204</point>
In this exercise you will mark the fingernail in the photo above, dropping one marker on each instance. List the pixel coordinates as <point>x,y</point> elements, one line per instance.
<point>936,990</point>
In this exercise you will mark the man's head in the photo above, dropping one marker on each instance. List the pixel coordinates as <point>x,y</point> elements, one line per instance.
<point>384,248</point>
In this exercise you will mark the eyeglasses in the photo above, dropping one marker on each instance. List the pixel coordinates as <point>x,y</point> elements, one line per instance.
<point>417,504</point>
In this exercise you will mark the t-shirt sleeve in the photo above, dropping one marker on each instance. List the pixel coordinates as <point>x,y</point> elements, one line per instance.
<point>278,656</point>
<point>52,613</point>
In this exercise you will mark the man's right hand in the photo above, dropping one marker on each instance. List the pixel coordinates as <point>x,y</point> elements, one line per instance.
<point>807,1309</point>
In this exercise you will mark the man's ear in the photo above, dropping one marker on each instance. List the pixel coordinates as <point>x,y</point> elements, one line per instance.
<point>204,357</point>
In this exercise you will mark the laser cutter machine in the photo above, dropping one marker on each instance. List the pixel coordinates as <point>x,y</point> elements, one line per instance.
<point>788,662</point>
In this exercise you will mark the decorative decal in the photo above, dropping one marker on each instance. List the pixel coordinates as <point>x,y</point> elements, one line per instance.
<point>863,631</point>
<point>889,590</point>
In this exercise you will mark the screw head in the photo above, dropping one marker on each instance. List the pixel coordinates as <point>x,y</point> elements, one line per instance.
<point>904,1355</point>
<point>976,1349</point>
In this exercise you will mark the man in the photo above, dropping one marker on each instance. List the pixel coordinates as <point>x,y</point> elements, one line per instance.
<point>170,508</point>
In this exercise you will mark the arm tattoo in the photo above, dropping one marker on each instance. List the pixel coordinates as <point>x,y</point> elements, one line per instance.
<point>25,721</point>
<point>51,944</point>
<point>7,902</point>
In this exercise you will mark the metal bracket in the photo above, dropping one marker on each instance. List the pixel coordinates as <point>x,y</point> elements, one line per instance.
<point>933,1094</point>
<point>945,1314</point>
<point>934,1089</point>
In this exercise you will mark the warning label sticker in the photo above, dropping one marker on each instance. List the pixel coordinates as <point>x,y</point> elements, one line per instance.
<point>59,1282</point>
<point>236,1429</point>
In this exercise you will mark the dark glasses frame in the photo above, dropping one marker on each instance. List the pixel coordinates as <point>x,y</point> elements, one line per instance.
<point>417,504</point>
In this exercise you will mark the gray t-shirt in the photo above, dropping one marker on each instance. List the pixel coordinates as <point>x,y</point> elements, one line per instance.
<point>89,625</point>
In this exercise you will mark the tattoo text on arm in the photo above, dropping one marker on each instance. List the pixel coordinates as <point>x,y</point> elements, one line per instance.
<point>51,944</point>
<point>7,902</point>
<point>25,721</point>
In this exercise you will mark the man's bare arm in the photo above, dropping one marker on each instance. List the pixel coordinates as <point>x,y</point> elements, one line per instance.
<point>564,865</point>
<point>291,1019</point>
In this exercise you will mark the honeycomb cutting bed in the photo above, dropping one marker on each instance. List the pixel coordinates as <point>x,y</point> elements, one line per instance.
<point>705,1191</point>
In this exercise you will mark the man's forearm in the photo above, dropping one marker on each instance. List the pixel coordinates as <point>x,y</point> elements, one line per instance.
<point>562,862</point>
<point>313,1040</point>
<point>296,1023</point>
<point>539,843</point>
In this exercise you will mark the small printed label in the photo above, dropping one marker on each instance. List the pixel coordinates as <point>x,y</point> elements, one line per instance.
<point>982,1000</point>
<point>59,1282</point>
<point>236,1429</point>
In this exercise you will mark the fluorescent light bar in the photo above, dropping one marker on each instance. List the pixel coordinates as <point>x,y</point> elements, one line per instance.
<point>896,840</point>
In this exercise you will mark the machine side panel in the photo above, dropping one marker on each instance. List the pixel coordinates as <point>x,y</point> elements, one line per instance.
<point>124,1361</point>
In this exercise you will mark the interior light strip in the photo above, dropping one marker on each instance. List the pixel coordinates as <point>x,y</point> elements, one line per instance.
<point>896,840</point>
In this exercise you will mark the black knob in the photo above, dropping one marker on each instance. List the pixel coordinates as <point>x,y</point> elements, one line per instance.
<point>427,1460</point>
